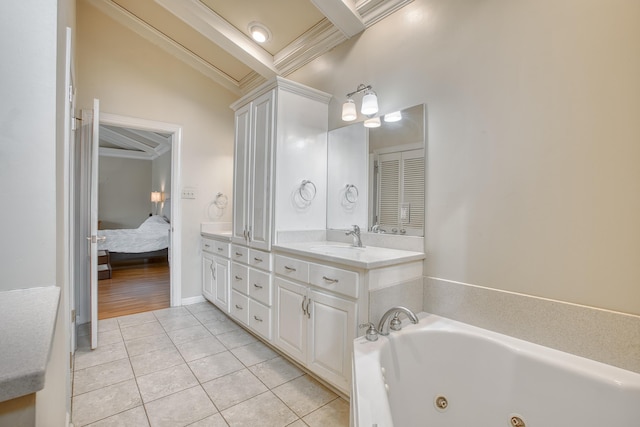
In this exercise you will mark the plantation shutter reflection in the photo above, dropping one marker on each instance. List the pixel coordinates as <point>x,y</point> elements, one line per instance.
<point>401,191</point>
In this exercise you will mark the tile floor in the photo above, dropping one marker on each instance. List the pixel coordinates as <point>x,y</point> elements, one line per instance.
<point>193,366</point>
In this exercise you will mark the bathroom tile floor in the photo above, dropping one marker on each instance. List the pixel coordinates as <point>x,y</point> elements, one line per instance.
<point>192,366</point>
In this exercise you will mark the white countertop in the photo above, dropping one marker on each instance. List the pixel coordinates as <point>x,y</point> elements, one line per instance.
<point>28,318</point>
<point>369,257</point>
<point>224,236</point>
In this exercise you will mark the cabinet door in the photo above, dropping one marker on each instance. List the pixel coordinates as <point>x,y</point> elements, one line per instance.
<point>290,328</point>
<point>221,283</point>
<point>261,163</point>
<point>241,171</point>
<point>332,327</point>
<point>208,268</point>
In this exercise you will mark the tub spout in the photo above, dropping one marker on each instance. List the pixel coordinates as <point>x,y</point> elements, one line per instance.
<point>395,323</point>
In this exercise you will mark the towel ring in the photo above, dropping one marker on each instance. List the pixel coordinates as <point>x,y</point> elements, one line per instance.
<point>307,190</point>
<point>351,193</point>
<point>221,201</point>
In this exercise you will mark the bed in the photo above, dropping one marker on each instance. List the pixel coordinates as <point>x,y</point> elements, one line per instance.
<point>149,241</point>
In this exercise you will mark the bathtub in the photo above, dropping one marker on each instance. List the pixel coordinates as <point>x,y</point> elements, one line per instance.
<point>443,373</point>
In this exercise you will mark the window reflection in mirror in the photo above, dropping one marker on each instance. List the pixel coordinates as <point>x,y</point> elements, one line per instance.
<point>386,166</point>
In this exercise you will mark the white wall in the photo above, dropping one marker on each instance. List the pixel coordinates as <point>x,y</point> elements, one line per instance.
<point>533,178</point>
<point>124,192</point>
<point>28,144</point>
<point>133,77</point>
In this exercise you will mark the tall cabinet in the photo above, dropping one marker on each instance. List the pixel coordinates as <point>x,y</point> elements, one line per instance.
<point>280,151</point>
<point>280,141</point>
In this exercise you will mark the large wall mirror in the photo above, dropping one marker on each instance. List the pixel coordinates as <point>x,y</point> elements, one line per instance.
<point>377,175</point>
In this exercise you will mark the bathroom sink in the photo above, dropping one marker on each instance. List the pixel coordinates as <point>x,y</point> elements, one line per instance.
<point>337,250</point>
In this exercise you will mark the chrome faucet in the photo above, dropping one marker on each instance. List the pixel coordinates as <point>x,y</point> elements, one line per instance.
<point>395,324</point>
<point>377,229</point>
<point>356,236</point>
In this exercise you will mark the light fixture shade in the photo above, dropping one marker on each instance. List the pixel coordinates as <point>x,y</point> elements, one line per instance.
<point>395,116</point>
<point>349,111</point>
<point>156,196</point>
<point>372,123</point>
<point>369,103</point>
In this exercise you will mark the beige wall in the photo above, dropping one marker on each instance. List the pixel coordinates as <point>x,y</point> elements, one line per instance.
<point>533,137</point>
<point>133,77</point>
<point>124,192</point>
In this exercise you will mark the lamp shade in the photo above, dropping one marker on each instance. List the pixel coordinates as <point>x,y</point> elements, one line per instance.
<point>349,111</point>
<point>372,123</point>
<point>369,103</point>
<point>395,116</point>
<point>156,196</point>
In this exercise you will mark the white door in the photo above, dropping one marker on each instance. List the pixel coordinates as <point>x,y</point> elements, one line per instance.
<point>332,328</point>
<point>290,331</point>
<point>208,276</point>
<point>90,143</point>
<point>260,181</point>
<point>221,283</point>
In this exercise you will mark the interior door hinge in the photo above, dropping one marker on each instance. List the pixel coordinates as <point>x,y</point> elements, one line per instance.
<point>70,93</point>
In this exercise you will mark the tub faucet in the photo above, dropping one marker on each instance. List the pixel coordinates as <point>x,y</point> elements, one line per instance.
<point>395,324</point>
<point>356,236</point>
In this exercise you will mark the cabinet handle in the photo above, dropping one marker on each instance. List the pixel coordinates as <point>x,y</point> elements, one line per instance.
<point>238,307</point>
<point>257,318</point>
<point>257,286</point>
<point>220,249</point>
<point>330,280</point>
<point>286,267</point>
<point>213,272</point>
<point>249,234</point>
<point>238,278</point>
<point>303,301</point>
<point>207,246</point>
<point>308,309</point>
<point>256,259</point>
<point>238,253</point>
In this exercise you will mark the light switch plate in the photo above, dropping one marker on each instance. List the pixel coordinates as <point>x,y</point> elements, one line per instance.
<point>188,193</point>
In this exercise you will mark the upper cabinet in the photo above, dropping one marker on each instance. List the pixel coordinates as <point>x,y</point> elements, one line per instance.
<point>281,143</point>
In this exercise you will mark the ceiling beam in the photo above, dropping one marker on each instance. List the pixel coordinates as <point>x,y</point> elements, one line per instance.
<point>124,154</point>
<point>219,31</point>
<point>342,14</point>
<point>124,141</point>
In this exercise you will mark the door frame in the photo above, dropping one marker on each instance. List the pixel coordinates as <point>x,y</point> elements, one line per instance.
<point>175,271</point>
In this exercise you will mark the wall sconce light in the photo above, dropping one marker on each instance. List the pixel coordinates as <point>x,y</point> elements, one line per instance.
<point>369,103</point>
<point>156,197</point>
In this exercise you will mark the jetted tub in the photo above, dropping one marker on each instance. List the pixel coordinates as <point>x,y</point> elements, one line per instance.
<point>443,373</point>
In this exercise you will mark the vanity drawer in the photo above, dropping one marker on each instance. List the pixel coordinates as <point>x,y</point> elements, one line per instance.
<point>260,259</point>
<point>240,307</point>
<point>240,254</point>
<point>260,318</point>
<point>292,268</point>
<point>260,286</point>
<point>240,278</point>
<point>215,247</point>
<point>334,279</point>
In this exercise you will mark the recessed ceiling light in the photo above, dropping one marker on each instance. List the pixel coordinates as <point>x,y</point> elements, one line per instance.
<point>259,32</point>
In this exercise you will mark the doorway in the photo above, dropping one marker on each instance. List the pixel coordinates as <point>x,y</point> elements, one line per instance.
<point>174,133</point>
<point>172,200</point>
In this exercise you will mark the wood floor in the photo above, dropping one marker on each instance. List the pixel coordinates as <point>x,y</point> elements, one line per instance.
<point>134,289</point>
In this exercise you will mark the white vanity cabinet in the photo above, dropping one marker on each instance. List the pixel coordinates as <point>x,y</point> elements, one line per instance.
<point>315,320</point>
<point>251,289</point>
<point>215,272</point>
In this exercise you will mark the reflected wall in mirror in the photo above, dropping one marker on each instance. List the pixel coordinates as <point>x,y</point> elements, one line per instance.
<point>387,166</point>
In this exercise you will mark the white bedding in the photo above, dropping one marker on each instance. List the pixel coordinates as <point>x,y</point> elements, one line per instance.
<point>152,235</point>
